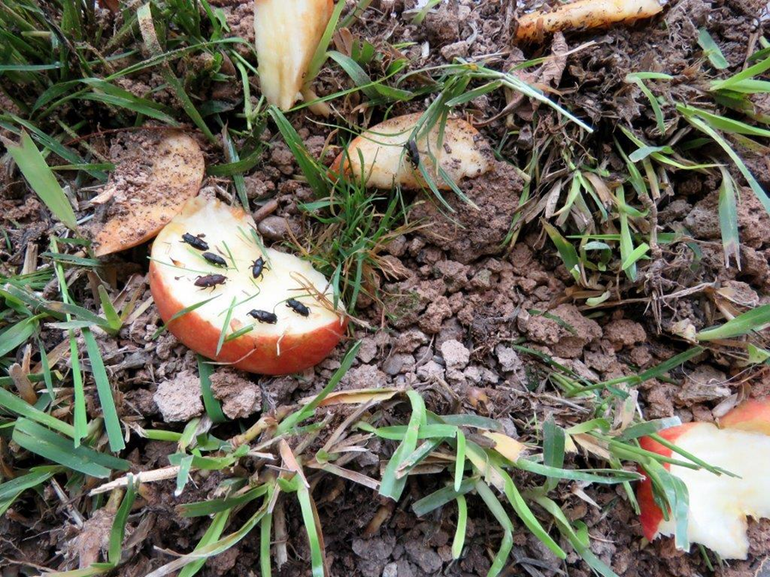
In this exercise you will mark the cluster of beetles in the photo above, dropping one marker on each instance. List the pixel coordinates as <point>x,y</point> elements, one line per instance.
<point>212,280</point>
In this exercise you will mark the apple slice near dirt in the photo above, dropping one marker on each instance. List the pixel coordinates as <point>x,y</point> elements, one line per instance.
<point>147,189</point>
<point>210,273</point>
<point>390,155</point>
<point>718,504</point>
<point>287,33</point>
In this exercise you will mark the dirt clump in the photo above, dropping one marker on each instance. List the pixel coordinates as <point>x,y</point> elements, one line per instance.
<point>624,333</point>
<point>564,330</point>
<point>240,397</point>
<point>468,232</point>
<point>179,399</point>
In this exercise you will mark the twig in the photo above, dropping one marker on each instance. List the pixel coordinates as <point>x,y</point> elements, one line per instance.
<point>142,477</point>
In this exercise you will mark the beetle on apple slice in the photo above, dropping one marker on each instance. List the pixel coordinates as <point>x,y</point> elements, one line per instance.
<point>278,307</point>
<point>718,504</point>
<point>147,189</point>
<point>390,155</point>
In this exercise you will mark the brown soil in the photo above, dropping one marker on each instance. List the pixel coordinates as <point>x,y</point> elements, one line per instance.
<point>456,303</point>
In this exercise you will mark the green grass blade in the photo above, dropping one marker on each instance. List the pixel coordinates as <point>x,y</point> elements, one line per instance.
<point>214,531</point>
<point>578,540</point>
<point>305,412</point>
<point>750,72</point>
<point>460,462</point>
<point>17,405</point>
<point>118,531</point>
<point>265,531</point>
<point>41,179</point>
<point>205,508</point>
<point>441,497</point>
<point>110,413</point>
<point>757,319</point>
<point>319,56</point>
<point>758,190</point>
<point>526,515</point>
<point>312,527</point>
<point>18,334</point>
<point>567,252</point>
<point>79,415</point>
<point>392,486</point>
<point>728,220</point>
<point>150,37</point>
<point>554,440</point>
<point>212,405</point>
<point>315,175</point>
<point>711,50</point>
<point>53,447</point>
<point>462,524</point>
<point>11,489</point>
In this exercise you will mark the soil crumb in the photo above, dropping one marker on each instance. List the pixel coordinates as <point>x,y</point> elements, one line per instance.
<point>180,398</point>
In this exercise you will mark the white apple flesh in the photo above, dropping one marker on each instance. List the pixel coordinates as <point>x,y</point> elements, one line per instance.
<point>292,343</point>
<point>287,34</point>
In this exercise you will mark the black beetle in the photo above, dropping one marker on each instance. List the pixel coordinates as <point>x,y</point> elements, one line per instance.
<point>298,307</point>
<point>412,152</point>
<point>210,280</point>
<point>195,241</point>
<point>264,316</point>
<point>258,267</point>
<point>214,259</point>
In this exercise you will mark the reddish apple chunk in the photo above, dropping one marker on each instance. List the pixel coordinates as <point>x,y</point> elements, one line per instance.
<point>279,309</point>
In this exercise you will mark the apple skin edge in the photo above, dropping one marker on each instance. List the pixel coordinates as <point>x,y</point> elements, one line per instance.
<point>297,352</point>
<point>651,515</point>
<point>752,415</point>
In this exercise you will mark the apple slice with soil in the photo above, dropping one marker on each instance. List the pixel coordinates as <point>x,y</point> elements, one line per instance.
<point>719,504</point>
<point>279,308</point>
<point>390,156</point>
<point>154,177</point>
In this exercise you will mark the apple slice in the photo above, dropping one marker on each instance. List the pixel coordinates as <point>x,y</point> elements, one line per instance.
<point>210,252</point>
<point>287,34</point>
<point>719,504</point>
<point>147,190</point>
<point>389,156</point>
<point>584,14</point>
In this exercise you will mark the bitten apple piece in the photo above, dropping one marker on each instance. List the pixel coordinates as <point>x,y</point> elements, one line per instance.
<point>287,34</point>
<point>391,157</point>
<point>147,190</point>
<point>719,504</point>
<point>284,315</point>
<point>584,14</point>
